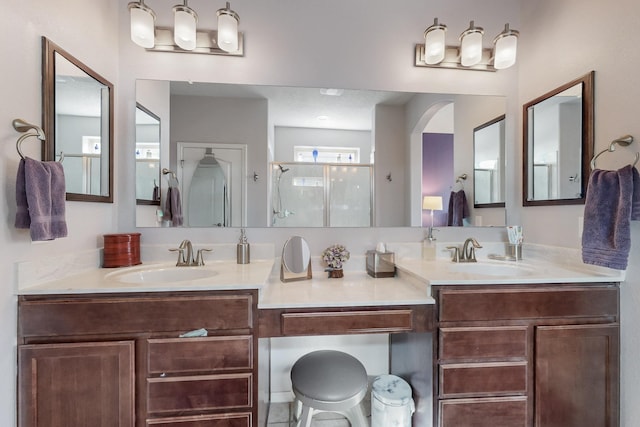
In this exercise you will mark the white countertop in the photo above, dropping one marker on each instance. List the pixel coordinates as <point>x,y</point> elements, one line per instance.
<point>356,288</point>
<point>411,285</point>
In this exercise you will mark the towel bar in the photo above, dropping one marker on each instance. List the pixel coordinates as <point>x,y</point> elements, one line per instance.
<point>623,141</point>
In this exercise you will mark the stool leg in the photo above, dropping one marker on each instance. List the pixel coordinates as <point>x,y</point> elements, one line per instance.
<point>356,416</point>
<point>306,416</point>
<point>297,409</point>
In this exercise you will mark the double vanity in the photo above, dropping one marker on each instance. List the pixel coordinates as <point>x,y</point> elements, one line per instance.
<point>492,343</point>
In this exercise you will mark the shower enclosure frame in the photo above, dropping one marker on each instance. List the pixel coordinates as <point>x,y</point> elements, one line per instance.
<point>327,187</point>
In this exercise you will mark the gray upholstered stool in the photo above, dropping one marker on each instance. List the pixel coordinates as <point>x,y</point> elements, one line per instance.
<point>329,381</point>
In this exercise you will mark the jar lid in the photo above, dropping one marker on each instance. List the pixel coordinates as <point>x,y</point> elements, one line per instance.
<point>391,390</point>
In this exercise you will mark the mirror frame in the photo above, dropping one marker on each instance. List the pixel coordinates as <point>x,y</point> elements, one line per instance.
<point>587,82</point>
<point>49,50</point>
<point>149,202</point>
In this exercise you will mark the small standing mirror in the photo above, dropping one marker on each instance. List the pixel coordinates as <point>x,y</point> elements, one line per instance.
<point>488,164</point>
<point>558,144</point>
<point>296,260</point>
<point>78,122</point>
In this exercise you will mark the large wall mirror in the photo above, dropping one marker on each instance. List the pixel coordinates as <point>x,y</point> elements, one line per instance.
<point>558,144</point>
<point>308,157</point>
<point>78,123</point>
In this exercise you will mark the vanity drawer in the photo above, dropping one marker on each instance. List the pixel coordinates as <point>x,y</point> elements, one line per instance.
<point>319,323</point>
<point>501,342</point>
<point>202,354</point>
<point>114,314</point>
<point>198,393</point>
<point>482,379</point>
<point>528,303</point>
<point>488,412</point>
<point>219,420</point>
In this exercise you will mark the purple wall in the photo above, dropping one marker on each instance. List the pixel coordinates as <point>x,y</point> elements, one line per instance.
<point>437,173</point>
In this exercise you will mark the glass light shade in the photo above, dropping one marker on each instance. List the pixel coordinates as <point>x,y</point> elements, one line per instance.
<point>432,202</point>
<point>184,27</point>
<point>434,47</point>
<point>227,30</point>
<point>505,50</point>
<point>471,46</point>
<point>142,25</point>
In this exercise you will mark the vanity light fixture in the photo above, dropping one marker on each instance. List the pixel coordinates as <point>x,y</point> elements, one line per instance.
<point>185,20</point>
<point>470,55</point>
<point>434,46</point>
<point>143,21</point>
<point>471,45</point>
<point>228,22</point>
<point>505,48</point>
<point>184,36</point>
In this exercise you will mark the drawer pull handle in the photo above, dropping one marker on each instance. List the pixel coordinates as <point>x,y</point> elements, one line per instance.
<point>202,332</point>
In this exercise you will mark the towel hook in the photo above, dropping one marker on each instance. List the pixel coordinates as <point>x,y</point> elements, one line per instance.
<point>623,141</point>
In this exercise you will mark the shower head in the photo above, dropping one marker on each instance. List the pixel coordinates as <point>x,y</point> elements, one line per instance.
<point>283,170</point>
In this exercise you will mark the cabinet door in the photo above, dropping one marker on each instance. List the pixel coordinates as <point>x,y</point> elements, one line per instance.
<point>76,385</point>
<point>576,376</point>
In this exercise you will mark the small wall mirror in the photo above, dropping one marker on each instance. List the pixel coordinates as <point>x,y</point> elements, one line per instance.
<point>147,157</point>
<point>558,144</point>
<point>296,260</point>
<point>78,122</point>
<point>489,164</point>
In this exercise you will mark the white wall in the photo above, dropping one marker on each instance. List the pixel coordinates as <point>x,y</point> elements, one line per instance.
<point>559,42</point>
<point>88,30</point>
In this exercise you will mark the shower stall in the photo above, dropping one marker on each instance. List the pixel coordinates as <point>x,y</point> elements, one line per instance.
<point>321,195</point>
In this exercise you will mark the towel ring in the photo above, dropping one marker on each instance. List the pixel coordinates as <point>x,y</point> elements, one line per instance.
<point>22,126</point>
<point>623,141</point>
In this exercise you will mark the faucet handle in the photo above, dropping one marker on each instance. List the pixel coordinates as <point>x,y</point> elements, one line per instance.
<point>456,253</point>
<point>199,259</point>
<point>181,259</point>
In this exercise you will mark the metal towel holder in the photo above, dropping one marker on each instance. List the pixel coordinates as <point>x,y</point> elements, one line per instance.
<point>623,141</point>
<point>22,126</point>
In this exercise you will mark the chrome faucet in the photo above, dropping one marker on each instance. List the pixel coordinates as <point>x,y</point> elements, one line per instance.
<point>467,253</point>
<point>185,255</point>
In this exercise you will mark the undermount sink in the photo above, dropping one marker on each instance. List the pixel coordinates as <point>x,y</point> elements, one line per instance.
<point>490,269</point>
<point>165,274</point>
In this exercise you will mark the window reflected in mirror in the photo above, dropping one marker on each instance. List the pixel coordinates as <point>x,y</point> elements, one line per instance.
<point>558,144</point>
<point>489,163</point>
<point>78,122</point>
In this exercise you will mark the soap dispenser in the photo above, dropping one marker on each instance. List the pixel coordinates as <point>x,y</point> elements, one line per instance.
<point>243,251</point>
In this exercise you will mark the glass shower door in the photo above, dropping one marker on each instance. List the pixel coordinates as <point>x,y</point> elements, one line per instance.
<point>350,203</point>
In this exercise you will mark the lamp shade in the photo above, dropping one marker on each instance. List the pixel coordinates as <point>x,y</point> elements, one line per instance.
<point>505,48</point>
<point>184,27</point>
<point>434,43</point>
<point>228,29</point>
<point>143,21</point>
<point>432,202</point>
<point>471,45</point>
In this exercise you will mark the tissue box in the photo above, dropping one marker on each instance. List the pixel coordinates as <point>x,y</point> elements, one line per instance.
<point>381,264</point>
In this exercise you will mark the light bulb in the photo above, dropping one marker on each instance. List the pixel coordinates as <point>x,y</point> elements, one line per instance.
<point>471,46</point>
<point>142,24</point>
<point>434,47</point>
<point>184,27</point>
<point>228,29</point>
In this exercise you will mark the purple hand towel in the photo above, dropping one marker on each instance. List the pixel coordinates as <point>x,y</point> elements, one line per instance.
<point>458,208</point>
<point>613,200</point>
<point>40,199</point>
<point>173,207</point>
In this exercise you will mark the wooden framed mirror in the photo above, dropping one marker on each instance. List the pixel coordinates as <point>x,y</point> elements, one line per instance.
<point>558,144</point>
<point>148,180</point>
<point>77,110</point>
<point>489,164</point>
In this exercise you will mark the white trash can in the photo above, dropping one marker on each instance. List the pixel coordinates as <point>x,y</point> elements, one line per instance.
<point>391,402</point>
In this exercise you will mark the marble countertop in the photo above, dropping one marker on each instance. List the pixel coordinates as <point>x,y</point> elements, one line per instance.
<point>411,286</point>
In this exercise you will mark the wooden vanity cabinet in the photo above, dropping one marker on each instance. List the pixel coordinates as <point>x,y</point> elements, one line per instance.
<point>117,360</point>
<point>527,355</point>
